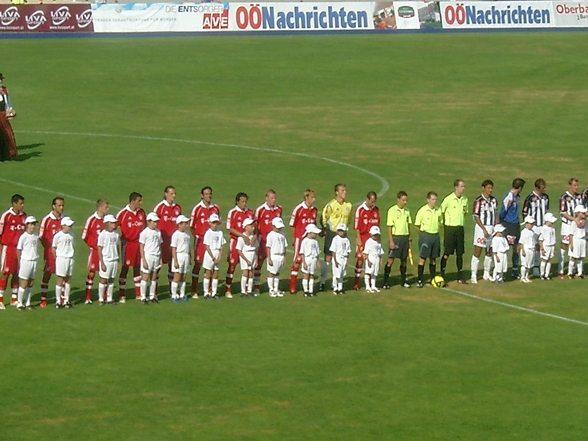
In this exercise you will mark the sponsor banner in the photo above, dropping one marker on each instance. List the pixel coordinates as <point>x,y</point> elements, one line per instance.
<point>406,15</point>
<point>46,18</point>
<point>521,14</point>
<point>161,17</point>
<point>301,16</point>
<point>571,14</point>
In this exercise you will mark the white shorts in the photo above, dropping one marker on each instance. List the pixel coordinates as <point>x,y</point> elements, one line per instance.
<point>502,266</point>
<point>208,263</point>
<point>549,252</point>
<point>251,256</point>
<point>579,248</point>
<point>111,268</point>
<point>311,264</point>
<point>153,263</point>
<point>64,266</point>
<point>565,233</point>
<point>528,259</point>
<point>482,241</point>
<point>278,264</point>
<point>183,262</point>
<point>340,272</point>
<point>374,269</point>
<point>27,269</point>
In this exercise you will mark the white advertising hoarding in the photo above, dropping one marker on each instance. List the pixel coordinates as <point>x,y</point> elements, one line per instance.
<point>522,14</point>
<point>571,14</point>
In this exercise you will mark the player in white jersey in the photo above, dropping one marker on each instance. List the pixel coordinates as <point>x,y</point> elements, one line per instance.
<point>248,255</point>
<point>485,215</point>
<point>340,249</point>
<point>27,253</point>
<point>108,243</point>
<point>372,255</point>
<point>181,258</point>
<point>577,249</point>
<point>276,256</point>
<point>547,238</point>
<point>150,241</point>
<point>63,250</point>
<point>527,245</point>
<point>567,203</point>
<point>309,252</point>
<point>500,249</point>
<point>214,242</point>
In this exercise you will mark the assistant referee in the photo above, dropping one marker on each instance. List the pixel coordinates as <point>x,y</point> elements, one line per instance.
<point>428,222</point>
<point>454,208</point>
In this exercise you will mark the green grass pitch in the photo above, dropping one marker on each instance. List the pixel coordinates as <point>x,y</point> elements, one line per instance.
<point>101,117</point>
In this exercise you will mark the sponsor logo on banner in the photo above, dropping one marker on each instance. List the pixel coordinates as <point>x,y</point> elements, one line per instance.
<point>571,14</point>
<point>497,14</point>
<point>60,16</point>
<point>9,16</point>
<point>35,20</point>
<point>84,19</point>
<point>296,16</point>
<point>405,11</point>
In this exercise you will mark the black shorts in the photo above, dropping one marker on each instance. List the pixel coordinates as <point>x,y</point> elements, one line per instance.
<point>429,246</point>
<point>512,233</point>
<point>401,251</point>
<point>454,241</point>
<point>329,236</point>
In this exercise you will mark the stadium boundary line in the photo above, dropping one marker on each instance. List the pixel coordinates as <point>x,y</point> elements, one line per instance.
<point>520,308</point>
<point>383,182</point>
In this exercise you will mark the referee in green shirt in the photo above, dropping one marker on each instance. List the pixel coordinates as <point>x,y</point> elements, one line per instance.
<point>398,222</point>
<point>428,222</point>
<point>454,208</point>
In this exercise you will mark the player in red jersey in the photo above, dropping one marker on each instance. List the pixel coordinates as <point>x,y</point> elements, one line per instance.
<point>12,225</point>
<point>264,215</point>
<point>303,214</point>
<point>50,225</point>
<point>168,211</point>
<point>131,220</point>
<point>92,229</point>
<point>235,219</point>
<point>367,215</point>
<point>199,225</point>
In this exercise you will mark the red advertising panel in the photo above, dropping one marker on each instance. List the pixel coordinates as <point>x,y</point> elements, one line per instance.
<point>46,18</point>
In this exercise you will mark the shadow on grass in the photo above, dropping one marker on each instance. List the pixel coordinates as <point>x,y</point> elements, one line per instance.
<point>26,156</point>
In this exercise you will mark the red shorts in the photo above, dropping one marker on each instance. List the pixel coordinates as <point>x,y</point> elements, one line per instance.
<point>233,257</point>
<point>199,250</point>
<point>261,251</point>
<point>49,262</point>
<point>131,256</point>
<point>166,255</point>
<point>359,247</point>
<point>93,260</point>
<point>9,260</point>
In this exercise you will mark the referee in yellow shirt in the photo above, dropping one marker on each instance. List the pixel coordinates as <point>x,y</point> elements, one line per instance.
<point>398,222</point>
<point>454,208</point>
<point>428,222</point>
<point>337,211</point>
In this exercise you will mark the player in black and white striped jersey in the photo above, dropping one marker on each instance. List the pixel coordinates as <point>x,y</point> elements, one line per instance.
<point>536,205</point>
<point>567,203</point>
<point>485,214</point>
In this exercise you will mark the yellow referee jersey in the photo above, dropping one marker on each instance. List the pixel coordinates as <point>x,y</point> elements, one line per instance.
<point>399,219</point>
<point>454,209</point>
<point>429,220</point>
<point>335,213</point>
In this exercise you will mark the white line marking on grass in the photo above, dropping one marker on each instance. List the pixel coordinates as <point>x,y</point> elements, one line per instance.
<point>45,190</point>
<point>520,308</point>
<point>383,190</point>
